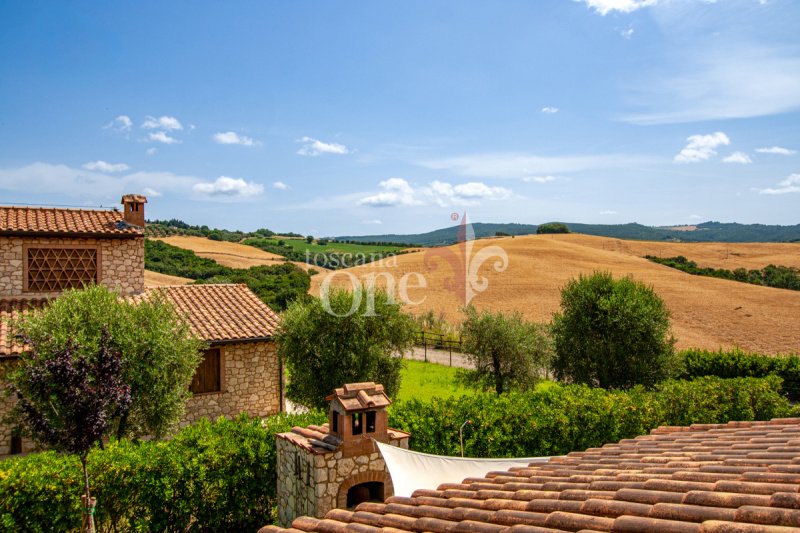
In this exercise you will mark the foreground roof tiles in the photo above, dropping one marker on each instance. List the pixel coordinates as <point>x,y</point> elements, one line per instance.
<point>741,477</point>
<point>20,220</point>
<point>10,310</point>
<point>223,312</point>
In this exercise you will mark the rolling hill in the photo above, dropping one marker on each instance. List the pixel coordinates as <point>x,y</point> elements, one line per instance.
<point>705,232</point>
<point>706,312</point>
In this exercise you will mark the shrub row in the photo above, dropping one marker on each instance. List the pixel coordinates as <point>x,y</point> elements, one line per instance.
<point>558,419</point>
<point>213,476</point>
<point>737,363</point>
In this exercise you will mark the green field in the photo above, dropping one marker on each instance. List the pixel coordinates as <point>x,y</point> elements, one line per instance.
<point>300,245</point>
<point>423,381</point>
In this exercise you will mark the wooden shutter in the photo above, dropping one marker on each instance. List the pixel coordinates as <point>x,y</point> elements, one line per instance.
<point>208,377</point>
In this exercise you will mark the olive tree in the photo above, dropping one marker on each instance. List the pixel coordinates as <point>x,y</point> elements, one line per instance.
<point>343,337</point>
<point>612,333</point>
<point>159,352</point>
<point>506,351</point>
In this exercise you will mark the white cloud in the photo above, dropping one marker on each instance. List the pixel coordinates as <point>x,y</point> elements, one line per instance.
<point>396,192</point>
<point>696,217</point>
<point>314,147</point>
<point>164,122</point>
<point>151,192</point>
<point>229,187</point>
<point>520,165</point>
<point>280,185</point>
<point>98,186</point>
<point>608,212</point>
<point>231,137</point>
<point>548,110</point>
<point>372,221</point>
<point>738,157</point>
<point>701,147</point>
<point>719,80</point>
<point>776,150</point>
<point>102,166</point>
<point>789,185</point>
<point>465,193</point>
<point>151,151</point>
<point>121,123</point>
<point>540,179</point>
<point>627,33</point>
<point>162,137</point>
<point>605,7</point>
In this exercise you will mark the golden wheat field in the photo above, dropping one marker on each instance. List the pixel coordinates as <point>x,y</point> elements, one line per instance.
<point>156,279</point>
<point>706,312</point>
<point>230,254</point>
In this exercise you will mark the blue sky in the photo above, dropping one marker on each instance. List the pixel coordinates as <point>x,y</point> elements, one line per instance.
<point>357,117</point>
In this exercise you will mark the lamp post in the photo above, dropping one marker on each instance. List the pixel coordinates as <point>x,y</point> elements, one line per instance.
<point>461,435</point>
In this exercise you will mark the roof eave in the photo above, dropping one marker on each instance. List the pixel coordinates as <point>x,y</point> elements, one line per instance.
<point>72,234</point>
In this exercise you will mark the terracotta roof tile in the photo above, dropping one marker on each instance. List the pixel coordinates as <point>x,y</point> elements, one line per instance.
<point>679,480</point>
<point>358,396</point>
<point>11,309</point>
<point>223,312</point>
<point>20,220</point>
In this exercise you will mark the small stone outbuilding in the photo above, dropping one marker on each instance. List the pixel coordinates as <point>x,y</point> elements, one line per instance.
<point>337,465</point>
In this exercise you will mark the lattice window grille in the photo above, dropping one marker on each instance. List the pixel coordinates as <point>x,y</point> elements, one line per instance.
<point>57,269</point>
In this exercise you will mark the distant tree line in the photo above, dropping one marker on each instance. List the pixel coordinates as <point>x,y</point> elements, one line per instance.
<point>777,276</point>
<point>173,226</point>
<point>276,285</point>
<point>330,260</point>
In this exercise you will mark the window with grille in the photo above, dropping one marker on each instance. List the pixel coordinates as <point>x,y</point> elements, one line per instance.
<point>57,269</point>
<point>208,376</point>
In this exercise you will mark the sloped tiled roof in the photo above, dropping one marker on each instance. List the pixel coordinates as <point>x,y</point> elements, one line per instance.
<point>216,313</point>
<point>358,396</point>
<point>741,477</point>
<point>20,220</point>
<point>223,312</point>
<point>9,310</point>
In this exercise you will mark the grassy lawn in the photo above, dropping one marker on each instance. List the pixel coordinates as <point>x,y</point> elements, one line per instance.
<point>423,381</point>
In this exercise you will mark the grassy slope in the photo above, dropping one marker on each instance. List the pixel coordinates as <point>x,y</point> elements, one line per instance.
<point>300,245</point>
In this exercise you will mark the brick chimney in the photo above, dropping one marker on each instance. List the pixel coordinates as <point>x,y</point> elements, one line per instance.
<point>133,209</point>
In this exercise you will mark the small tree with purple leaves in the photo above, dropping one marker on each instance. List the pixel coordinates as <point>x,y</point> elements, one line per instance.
<point>68,400</point>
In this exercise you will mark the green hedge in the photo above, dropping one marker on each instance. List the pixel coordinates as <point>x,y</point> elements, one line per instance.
<point>559,419</point>
<point>739,364</point>
<point>213,476</point>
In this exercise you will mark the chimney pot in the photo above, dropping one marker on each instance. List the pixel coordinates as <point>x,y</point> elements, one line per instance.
<point>133,209</point>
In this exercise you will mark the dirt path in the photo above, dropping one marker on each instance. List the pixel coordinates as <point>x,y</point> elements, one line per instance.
<point>441,357</point>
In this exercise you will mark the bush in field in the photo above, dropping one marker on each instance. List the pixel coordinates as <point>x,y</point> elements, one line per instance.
<point>337,339</point>
<point>506,351</point>
<point>557,419</point>
<point>612,333</point>
<point>552,227</point>
<point>213,476</point>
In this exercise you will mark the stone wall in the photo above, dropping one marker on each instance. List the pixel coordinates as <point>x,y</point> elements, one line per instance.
<point>6,404</point>
<point>311,484</point>
<point>250,384</point>
<point>121,263</point>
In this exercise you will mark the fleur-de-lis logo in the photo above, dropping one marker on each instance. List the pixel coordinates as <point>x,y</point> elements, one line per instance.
<point>466,281</point>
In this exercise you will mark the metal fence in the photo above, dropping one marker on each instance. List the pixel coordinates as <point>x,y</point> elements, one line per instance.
<point>437,341</point>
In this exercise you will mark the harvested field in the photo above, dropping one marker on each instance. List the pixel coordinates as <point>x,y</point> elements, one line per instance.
<point>706,312</point>
<point>705,254</point>
<point>156,279</point>
<point>232,254</point>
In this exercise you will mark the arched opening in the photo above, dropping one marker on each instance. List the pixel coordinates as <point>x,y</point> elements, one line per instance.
<point>371,491</point>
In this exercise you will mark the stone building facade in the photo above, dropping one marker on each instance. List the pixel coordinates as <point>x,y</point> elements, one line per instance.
<point>44,251</point>
<point>337,465</point>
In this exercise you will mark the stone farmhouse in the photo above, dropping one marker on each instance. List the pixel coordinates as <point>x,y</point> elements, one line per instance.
<point>44,251</point>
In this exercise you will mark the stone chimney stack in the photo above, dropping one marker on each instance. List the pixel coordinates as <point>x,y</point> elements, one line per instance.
<point>133,209</point>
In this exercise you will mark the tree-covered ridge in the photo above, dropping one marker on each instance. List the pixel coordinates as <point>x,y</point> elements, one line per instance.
<point>777,276</point>
<point>276,285</point>
<point>173,226</point>
<point>326,253</point>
